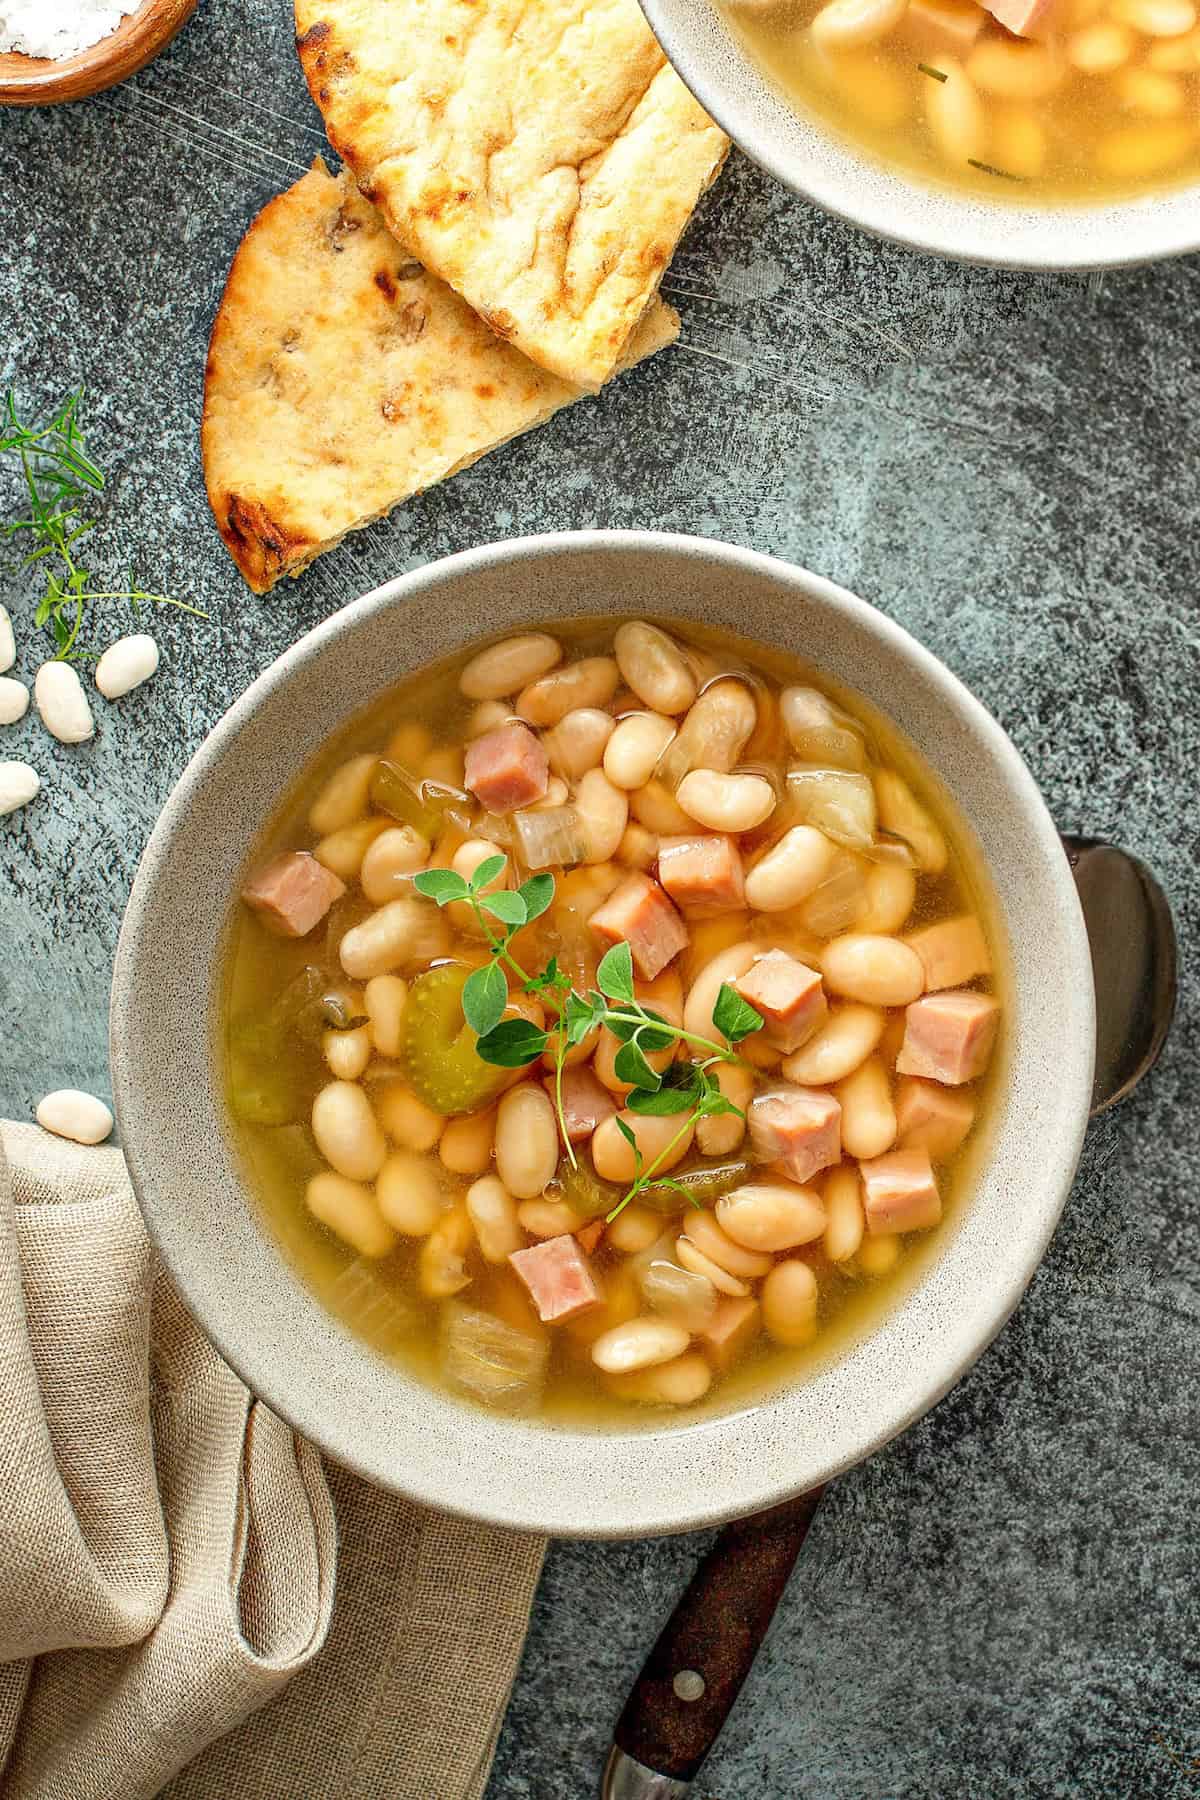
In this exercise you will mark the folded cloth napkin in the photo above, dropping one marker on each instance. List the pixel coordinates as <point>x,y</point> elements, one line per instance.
<point>169,1617</point>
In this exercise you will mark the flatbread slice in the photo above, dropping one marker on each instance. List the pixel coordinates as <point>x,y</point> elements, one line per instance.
<point>539,155</point>
<point>342,379</point>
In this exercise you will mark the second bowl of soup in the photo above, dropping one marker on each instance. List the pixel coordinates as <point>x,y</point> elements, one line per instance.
<point>631,1061</point>
<point>1076,145</point>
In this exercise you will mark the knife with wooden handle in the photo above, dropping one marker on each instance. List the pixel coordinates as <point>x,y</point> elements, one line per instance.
<point>704,1653</point>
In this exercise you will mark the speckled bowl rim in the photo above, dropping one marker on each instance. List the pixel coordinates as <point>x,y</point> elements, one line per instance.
<point>809,157</point>
<point>375,1418</point>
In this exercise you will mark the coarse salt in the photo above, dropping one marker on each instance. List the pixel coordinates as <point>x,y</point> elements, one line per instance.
<point>59,28</point>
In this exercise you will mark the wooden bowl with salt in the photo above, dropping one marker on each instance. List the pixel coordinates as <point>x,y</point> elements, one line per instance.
<point>43,81</point>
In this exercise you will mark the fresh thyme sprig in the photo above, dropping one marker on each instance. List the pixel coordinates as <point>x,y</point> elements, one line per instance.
<point>61,482</point>
<point>684,1087</point>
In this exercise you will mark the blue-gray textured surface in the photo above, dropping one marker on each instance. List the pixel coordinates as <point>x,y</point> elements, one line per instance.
<point>1003,1603</point>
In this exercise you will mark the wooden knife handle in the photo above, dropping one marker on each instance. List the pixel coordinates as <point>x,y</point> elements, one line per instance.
<point>707,1646</point>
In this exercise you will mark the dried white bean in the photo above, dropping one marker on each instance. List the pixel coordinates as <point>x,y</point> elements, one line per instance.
<point>702,1229</point>
<point>347,1052</point>
<point>62,703</point>
<point>848,1036</point>
<point>466,1144</point>
<point>493,1213</point>
<point>878,971</point>
<point>347,1132</point>
<point>817,731</point>
<point>730,803</point>
<point>1100,47</point>
<point>790,871</point>
<point>14,700</point>
<point>844,1209</point>
<point>343,851</point>
<point>632,752</point>
<point>847,24</point>
<point>385,998</point>
<point>389,861</point>
<point>547,1218</point>
<point>590,682</point>
<point>441,1265</point>
<point>638,1344</point>
<point>695,1260</point>
<point>489,715</point>
<point>1014,70</point>
<point>19,782</point>
<point>638,847</point>
<point>126,664</point>
<point>577,743</point>
<point>603,812</point>
<point>771,1215</point>
<point>680,1382</point>
<point>349,1209</point>
<point>70,1113</point>
<point>8,645</point>
<point>877,1255</point>
<point>345,796</point>
<point>526,1141</point>
<point>408,1193</point>
<point>1156,18</point>
<point>891,889</point>
<point>655,806</point>
<point>789,1303</point>
<point>714,734</point>
<point>408,930</point>
<point>955,115</point>
<point>726,965</point>
<point>868,1116</point>
<point>507,667</point>
<point>633,1230</point>
<point>406,1119</point>
<point>721,1135</point>
<point>901,813</point>
<point>612,1154</point>
<point>654,666</point>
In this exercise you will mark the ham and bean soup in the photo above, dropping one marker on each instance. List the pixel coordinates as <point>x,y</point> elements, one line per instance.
<point>1023,99</point>
<point>609,1011</point>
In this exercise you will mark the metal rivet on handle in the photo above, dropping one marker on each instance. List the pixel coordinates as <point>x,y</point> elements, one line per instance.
<point>688,1685</point>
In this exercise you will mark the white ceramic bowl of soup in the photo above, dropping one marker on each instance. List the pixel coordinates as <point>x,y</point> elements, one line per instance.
<point>821,164</point>
<point>188,1166</point>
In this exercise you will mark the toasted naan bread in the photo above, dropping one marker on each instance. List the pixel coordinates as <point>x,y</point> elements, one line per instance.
<point>342,378</point>
<point>539,155</point>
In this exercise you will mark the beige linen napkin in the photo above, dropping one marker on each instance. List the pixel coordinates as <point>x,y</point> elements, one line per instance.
<point>168,1550</point>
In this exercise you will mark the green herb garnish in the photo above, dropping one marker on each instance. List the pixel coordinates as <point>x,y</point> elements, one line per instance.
<point>683,1087</point>
<point>62,481</point>
<point>927,69</point>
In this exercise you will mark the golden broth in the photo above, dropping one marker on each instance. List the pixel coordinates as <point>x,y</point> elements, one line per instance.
<point>381,1300</point>
<point>1106,103</point>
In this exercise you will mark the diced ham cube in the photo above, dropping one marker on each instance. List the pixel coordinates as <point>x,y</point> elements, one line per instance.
<point>798,1128</point>
<point>1022,17</point>
<point>507,768</point>
<point>900,1193</point>
<point>929,1117</point>
<point>952,25</point>
<point>704,875</point>
<point>949,1037</point>
<point>732,1329</point>
<point>586,1103</point>
<point>557,1275</point>
<point>952,952</point>
<point>292,893</point>
<point>639,914</point>
<point>788,994</point>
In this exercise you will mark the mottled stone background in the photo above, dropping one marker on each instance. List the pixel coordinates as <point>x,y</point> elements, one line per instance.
<point>1003,1603</point>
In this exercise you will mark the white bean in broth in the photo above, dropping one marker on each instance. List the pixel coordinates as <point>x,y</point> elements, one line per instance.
<point>728,819</point>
